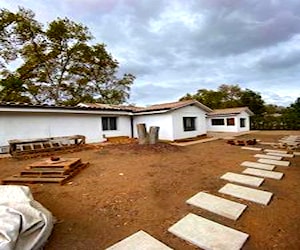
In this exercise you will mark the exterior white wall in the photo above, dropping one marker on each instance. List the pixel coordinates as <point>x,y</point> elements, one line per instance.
<point>225,128</point>
<point>189,111</point>
<point>21,125</point>
<point>247,122</point>
<point>123,127</point>
<point>163,121</point>
<point>171,123</point>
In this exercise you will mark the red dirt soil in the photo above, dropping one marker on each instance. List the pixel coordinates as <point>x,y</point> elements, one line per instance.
<point>130,187</point>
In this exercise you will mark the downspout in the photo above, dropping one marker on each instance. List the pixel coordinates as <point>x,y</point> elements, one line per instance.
<point>131,126</point>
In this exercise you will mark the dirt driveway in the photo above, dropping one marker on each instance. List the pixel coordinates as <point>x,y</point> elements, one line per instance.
<point>127,188</point>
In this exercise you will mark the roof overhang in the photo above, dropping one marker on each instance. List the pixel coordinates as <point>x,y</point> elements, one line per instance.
<point>62,110</point>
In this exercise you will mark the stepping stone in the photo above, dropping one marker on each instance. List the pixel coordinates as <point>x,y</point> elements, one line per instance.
<point>250,194</point>
<point>278,163</point>
<point>271,157</point>
<point>207,234</point>
<point>282,155</point>
<point>263,173</point>
<point>296,153</point>
<point>217,205</point>
<point>139,241</point>
<point>243,179</point>
<point>252,148</point>
<point>276,151</point>
<point>251,164</point>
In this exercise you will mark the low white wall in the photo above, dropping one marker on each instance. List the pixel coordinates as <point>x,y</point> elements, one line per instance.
<point>21,125</point>
<point>189,111</point>
<point>247,122</point>
<point>225,128</point>
<point>123,127</point>
<point>164,121</point>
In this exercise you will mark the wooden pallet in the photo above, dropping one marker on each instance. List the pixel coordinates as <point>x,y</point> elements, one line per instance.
<point>60,173</point>
<point>38,145</point>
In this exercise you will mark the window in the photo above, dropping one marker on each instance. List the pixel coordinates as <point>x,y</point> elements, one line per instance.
<point>189,123</point>
<point>242,122</point>
<point>216,122</point>
<point>230,121</point>
<point>109,123</point>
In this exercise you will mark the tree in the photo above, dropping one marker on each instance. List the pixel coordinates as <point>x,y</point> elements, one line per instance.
<point>12,89</point>
<point>253,101</point>
<point>231,95</point>
<point>59,66</point>
<point>210,98</point>
<point>291,115</point>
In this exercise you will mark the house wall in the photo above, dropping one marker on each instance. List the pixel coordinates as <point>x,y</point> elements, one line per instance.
<point>171,123</point>
<point>189,111</point>
<point>225,128</point>
<point>123,127</point>
<point>25,125</point>
<point>164,121</point>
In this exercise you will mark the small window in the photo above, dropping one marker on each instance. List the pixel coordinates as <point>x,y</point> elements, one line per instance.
<point>242,122</point>
<point>189,123</point>
<point>216,122</point>
<point>230,121</point>
<point>109,123</point>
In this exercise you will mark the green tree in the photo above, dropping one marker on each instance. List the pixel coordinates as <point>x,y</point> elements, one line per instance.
<point>12,90</point>
<point>59,64</point>
<point>210,98</point>
<point>253,101</point>
<point>231,95</point>
<point>291,115</point>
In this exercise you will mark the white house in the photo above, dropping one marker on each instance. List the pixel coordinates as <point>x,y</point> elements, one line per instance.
<point>229,120</point>
<point>177,120</point>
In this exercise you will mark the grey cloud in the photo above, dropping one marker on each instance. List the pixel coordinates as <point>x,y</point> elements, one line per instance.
<point>175,47</point>
<point>280,61</point>
<point>151,93</point>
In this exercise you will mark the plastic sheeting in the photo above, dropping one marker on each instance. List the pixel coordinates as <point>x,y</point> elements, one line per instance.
<point>24,223</point>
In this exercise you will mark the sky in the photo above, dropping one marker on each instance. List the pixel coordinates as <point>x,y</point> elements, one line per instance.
<point>174,47</point>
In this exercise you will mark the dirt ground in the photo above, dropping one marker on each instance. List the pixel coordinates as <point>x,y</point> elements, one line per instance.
<point>128,188</point>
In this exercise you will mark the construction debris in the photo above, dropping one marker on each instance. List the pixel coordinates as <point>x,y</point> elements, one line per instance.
<point>241,142</point>
<point>55,170</point>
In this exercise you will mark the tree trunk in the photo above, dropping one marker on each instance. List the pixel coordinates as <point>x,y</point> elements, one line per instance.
<point>142,133</point>
<point>153,135</point>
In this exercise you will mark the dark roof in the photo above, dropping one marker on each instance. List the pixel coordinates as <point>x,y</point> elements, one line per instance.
<point>157,107</point>
<point>230,111</point>
<point>110,107</point>
<point>67,107</point>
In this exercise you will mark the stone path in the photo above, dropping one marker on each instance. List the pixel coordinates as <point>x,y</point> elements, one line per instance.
<point>274,162</point>
<point>281,154</point>
<point>271,157</point>
<point>263,173</point>
<point>246,193</point>
<point>251,164</point>
<point>252,148</point>
<point>217,205</point>
<point>276,151</point>
<point>207,234</point>
<point>139,241</point>
<point>243,179</point>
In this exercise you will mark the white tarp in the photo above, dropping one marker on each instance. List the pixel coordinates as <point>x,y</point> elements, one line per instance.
<point>24,223</point>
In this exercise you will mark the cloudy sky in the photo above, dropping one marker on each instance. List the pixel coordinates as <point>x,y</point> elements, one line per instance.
<point>178,46</point>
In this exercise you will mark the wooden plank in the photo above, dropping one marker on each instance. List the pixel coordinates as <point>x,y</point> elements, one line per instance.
<point>63,163</point>
<point>75,172</point>
<point>36,176</point>
<point>39,173</point>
